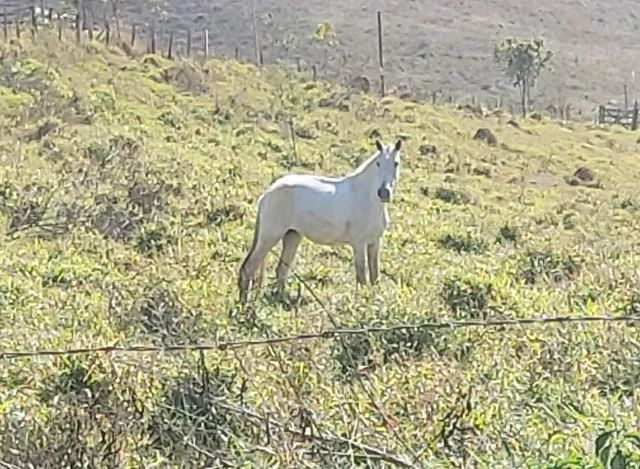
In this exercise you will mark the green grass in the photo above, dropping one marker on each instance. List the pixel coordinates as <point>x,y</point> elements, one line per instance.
<point>127,196</point>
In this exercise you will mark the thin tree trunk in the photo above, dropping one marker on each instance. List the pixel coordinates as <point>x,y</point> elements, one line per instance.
<point>523,97</point>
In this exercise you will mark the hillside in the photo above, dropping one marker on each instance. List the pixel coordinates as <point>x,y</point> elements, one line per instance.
<point>439,46</point>
<point>127,200</point>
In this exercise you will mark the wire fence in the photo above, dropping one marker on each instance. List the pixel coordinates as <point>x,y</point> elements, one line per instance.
<point>174,40</point>
<point>198,45</point>
<point>329,334</point>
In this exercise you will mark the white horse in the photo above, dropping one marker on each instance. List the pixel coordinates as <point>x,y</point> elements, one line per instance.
<point>330,211</point>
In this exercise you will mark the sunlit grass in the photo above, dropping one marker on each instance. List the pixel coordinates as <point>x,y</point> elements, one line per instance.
<point>130,215</point>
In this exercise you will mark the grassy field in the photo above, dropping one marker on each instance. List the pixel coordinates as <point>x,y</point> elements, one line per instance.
<point>127,200</point>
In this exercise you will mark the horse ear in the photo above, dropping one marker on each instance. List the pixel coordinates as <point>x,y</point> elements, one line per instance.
<point>378,145</point>
<point>398,145</point>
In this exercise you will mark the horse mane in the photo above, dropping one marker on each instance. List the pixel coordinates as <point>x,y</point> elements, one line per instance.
<point>366,163</point>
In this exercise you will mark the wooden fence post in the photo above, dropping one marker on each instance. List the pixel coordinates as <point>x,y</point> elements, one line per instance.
<point>5,25</point>
<point>206,44</point>
<point>601,114</point>
<point>256,43</point>
<point>78,27</point>
<point>170,48</point>
<point>626,97</point>
<point>381,54</point>
<point>34,21</point>
<point>634,121</point>
<point>59,27</point>
<point>107,29</point>
<point>88,21</point>
<point>133,35</point>
<point>189,43</point>
<point>18,28</point>
<point>153,39</point>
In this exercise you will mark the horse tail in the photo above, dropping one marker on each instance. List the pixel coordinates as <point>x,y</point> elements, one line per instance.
<point>256,236</point>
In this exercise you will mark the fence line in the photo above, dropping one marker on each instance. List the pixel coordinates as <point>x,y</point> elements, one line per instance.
<point>328,334</point>
<point>179,42</point>
<point>625,117</point>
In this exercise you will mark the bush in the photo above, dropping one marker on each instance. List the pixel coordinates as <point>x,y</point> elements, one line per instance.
<point>467,299</point>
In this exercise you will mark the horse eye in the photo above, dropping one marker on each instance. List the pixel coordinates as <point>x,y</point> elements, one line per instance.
<point>395,163</point>
<point>378,164</point>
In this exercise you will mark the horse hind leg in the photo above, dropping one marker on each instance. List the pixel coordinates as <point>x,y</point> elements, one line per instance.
<point>258,276</point>
<point>253,262</point>
<point>290,243</point>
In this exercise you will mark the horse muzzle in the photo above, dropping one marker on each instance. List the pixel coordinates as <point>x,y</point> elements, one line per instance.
<point>384,194</point>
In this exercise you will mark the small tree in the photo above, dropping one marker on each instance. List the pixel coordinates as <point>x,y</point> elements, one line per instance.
<point>522,59</point>
<point>324,37</point>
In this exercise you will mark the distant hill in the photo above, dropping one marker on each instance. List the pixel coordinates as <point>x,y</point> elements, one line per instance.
<point>430,46</point>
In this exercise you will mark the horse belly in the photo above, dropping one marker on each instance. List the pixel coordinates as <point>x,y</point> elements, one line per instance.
<point>322,222</point>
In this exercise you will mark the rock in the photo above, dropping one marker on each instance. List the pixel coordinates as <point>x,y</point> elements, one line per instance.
<point>583,174</point>
<point>477,110</point>
<point>361,84</point>
<point>427,149</point>
<point>536,116</point>
<point>344,106</point>
<point>151,60</point>
<point>486,135</point>
<point>375,133</point>
<point>583,177</point>
<point>573,181</point>
<point>513,123</point>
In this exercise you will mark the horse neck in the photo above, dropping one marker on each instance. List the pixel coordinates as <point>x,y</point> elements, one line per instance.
<point>362,178</point>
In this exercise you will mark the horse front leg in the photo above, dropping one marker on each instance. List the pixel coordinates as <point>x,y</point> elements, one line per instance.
<point>373,258</point>
<point>360,261</point>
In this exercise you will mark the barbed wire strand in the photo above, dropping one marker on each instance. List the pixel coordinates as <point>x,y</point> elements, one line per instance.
<point>374,402</point>
<point>327,438</point>
<point>322,335</point>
